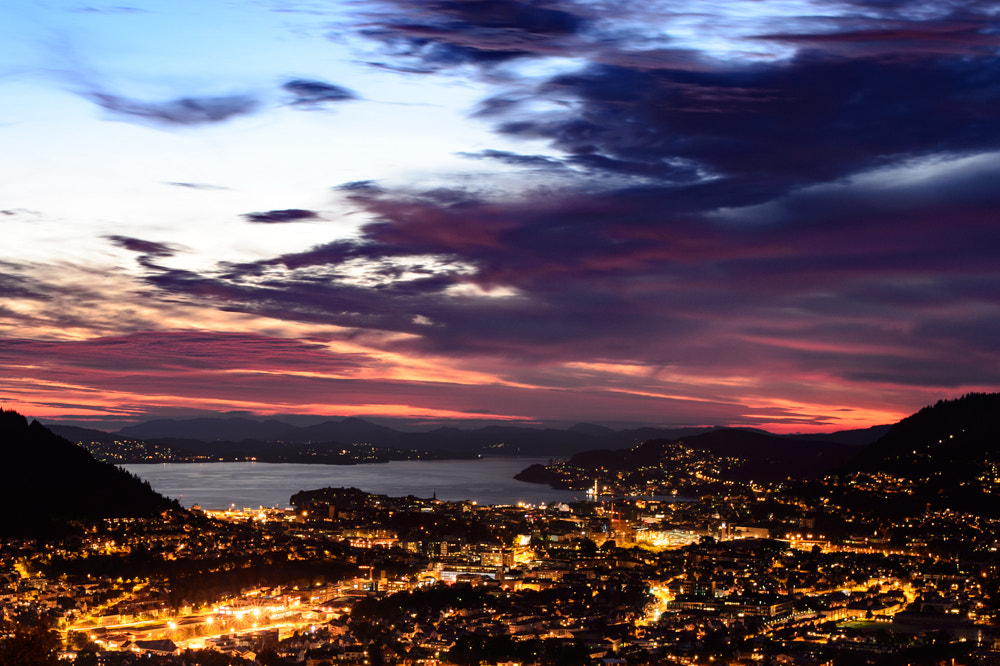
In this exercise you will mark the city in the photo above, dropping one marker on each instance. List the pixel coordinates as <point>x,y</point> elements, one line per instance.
<point>843,569</point>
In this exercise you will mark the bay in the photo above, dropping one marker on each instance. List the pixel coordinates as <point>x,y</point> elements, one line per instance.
<point>251,484</point>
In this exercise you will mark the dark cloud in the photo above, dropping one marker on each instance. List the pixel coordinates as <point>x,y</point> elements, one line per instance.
<point>151,351</point>
<point>773,120</point>
<point>857,92</point>
<point>24,212</point>
<point>647,273</point>
<point>281,216</point>
<point>514,159</point>
<point>365,186</point>
<point>446,33</point>
<point>953,36</point>
<point>181,111</point>
<point>151,248</point>
<point>314,94</point>
<point>13,285</point>
<point>149,251</point>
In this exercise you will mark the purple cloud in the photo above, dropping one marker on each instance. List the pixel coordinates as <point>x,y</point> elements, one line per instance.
<point>281,216</point>
<point>180,111</point>
<point>314,94</point>
<point>157,351</point>
<point>447,33</point>
<point>149,251</point>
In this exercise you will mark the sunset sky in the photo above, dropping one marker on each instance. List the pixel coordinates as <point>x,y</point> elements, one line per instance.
<point>780,214</point>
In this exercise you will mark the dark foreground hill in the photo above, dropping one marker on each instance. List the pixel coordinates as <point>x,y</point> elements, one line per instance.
<point>946,456</point>
<point>952,437</point>
<point>46,482</point>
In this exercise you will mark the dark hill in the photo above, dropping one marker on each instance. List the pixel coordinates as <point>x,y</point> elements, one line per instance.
<point>945,456</point>
<point>75,434</point>
<point>351,430</point>
<point>948,437</point>
<point>772,457</point>
<point>591,429</point>
<point>862,437</point>
<point>47,482</point>
<point>762,456</point>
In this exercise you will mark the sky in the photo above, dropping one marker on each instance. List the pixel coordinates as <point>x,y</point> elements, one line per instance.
<point>777,214</point>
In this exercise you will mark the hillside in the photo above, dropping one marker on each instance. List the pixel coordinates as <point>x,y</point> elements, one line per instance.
<point>752,455</point>
<point>946,456</point>
<point>47,481</point>
<point>950,437</point>
<point>699,463</point>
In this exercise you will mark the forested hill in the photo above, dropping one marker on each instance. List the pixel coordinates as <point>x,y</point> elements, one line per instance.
<point>46,482</point>
<point>950,437</point>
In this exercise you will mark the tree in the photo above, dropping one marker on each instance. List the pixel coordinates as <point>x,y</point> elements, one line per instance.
<point>28,641</point>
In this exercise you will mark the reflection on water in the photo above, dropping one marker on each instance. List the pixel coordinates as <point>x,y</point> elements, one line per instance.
<point>220,485</point>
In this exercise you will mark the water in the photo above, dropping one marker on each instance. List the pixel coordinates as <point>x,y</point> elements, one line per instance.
<point>220,485</point>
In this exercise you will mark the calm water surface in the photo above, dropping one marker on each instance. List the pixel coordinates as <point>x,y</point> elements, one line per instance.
<point>220,485</point>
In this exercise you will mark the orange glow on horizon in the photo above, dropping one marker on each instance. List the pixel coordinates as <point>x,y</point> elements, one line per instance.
<point>109,404</point>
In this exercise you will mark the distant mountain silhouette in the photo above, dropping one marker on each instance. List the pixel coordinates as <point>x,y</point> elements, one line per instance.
<point>592,429</point>
<point>501,439</point>
<point>351,430</point>
<point>639,435</point>
<point>75,434</point>
<point>231,429</point>
<point>47,482</point>
<point>852,437</point>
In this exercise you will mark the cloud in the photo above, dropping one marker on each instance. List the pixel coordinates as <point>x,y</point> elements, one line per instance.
<point>529,161</point>
<point>314,94</point>
<point>364,186</point>
<point>148,250</point>
<point>950,36</point>
<point>801,210</point>
<point>180,351</point>
<point>120,9</point>
<point>448,33</point>
<point>15,285</point>
<point>732,216</point>
<point>770,121</point>
<point>626,275</point>
<point>180,111</point>
<point>197,186</point>
<point>281,216</point>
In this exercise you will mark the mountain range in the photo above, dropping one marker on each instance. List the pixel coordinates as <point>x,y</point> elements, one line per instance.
<point>213,436</point>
